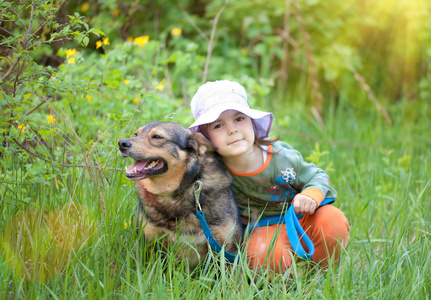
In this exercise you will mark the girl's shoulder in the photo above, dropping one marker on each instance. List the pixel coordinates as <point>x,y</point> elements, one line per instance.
<point>280,145</point>
<point>283,150</point>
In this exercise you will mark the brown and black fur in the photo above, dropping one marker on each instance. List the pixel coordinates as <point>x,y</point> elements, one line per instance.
<point>166,200</point>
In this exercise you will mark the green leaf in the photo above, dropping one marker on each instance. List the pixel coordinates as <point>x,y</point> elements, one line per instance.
<point>85,41</point>
<point>45,133</point>
<point>96,32</point>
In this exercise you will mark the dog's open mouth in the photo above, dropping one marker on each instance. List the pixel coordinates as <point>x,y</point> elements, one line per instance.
<point>144,169</point>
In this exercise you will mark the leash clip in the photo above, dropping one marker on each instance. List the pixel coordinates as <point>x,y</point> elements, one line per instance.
<point>197,191</point>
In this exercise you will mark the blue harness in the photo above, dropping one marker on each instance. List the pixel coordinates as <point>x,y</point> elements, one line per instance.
<point>290,219</point>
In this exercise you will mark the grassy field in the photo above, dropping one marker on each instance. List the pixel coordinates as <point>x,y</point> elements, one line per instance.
<point>71,235</point>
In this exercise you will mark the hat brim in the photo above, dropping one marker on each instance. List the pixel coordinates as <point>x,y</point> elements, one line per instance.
<point>263,120</point>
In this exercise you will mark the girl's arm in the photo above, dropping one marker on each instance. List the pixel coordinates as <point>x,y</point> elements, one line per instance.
<point>312,182</point>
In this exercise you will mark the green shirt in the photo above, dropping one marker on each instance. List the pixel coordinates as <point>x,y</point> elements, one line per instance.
<point>269,191</point>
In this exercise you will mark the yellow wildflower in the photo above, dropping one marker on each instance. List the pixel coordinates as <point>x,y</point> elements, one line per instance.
<point>89,97</point>
<point>160,86</point>
<point>22,127</point>
<point>136,100</point>
<point>71,52</point>
<point>71,60</point>
<point>141,40</point>
<point>125,224</point>
<point>106,41</point>
<point>115,12</point>
<point>50,119</point>
<point>98,44</point>
<point>126,81</point>
<point>85,6</point>
<point>176,31</point>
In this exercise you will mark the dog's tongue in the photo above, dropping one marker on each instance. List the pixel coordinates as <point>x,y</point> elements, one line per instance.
<point>139,168</point>
<point>139,165</point>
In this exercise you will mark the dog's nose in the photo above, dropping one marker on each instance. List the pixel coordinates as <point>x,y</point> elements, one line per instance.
<point>124,145</point>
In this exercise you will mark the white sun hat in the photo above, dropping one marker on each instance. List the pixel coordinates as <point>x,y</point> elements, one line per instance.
<point>213,98</point>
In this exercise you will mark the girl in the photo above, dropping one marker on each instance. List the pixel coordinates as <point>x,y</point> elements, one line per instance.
<point>268,177</point>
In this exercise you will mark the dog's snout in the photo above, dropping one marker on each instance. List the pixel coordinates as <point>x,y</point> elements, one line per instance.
<point>124,145</point>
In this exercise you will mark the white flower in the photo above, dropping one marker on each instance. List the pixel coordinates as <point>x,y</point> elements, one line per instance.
<point>289,175</point>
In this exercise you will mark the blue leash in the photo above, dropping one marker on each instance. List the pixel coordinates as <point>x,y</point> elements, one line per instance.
<point>290,219</point>
<point>207,231</point>
<point>213,243</point>
<point>293,228</point>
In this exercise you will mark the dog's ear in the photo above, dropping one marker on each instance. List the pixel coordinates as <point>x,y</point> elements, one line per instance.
<point>203,144</point>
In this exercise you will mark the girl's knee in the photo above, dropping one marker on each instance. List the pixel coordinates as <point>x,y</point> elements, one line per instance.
<point>331,223</point>
<point>267,249</point>
<point>330,233</point>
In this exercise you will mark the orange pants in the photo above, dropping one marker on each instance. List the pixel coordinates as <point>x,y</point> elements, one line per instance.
<point>269,246</point>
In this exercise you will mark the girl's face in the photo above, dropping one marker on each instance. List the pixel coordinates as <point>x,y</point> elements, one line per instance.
<point>232,133</point>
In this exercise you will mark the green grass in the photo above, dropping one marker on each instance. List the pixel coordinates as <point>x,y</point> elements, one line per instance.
<point>382,175</point>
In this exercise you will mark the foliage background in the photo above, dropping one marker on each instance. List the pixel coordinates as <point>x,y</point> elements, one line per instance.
<point>349,84</point>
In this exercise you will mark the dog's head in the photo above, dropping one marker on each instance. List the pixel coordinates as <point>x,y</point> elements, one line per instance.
<point>162,147</point>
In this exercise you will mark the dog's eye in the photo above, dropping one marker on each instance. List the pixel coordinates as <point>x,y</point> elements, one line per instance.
<point>156,137</point>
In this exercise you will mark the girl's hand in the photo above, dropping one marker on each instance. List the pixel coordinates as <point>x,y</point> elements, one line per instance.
<point>304,205</point>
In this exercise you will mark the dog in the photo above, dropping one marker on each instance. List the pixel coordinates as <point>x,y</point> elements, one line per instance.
<point>169,160</point>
